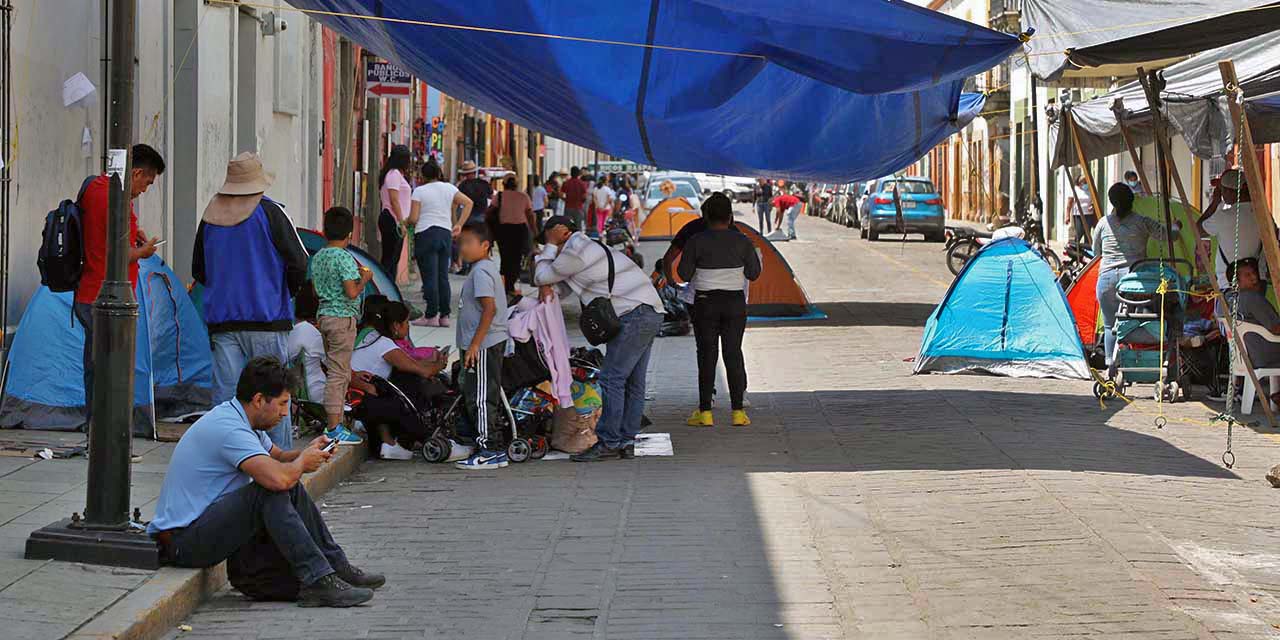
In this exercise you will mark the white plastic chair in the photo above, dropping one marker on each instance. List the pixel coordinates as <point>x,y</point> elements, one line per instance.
<point>1237,367</point>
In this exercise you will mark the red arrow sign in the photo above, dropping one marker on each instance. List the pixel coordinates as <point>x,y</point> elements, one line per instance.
<point>384,90</point>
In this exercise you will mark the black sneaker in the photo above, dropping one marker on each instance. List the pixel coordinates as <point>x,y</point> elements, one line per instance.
<point>598,451</point>
<point>356,577</point>
<point>628,452</point>
<point>332,591</point>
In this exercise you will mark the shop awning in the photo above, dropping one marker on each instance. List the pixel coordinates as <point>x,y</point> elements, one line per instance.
<point>1105,38</point>
<point>810,90</point>
<point>1193,103</point>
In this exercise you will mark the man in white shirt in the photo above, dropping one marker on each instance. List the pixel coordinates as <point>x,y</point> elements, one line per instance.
<point>1230,216</point>
<point>572,261</point>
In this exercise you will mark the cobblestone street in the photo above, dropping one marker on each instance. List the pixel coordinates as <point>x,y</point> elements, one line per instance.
<point>863,502</point>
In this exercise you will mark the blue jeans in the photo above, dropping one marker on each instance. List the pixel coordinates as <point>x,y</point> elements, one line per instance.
<point>433,250</point>
<point>763,211</point>
<point>231,351</point>
<point>792,214</point>
<point>289,517</point>
<point>1108,303</point>
<point>622,376</point>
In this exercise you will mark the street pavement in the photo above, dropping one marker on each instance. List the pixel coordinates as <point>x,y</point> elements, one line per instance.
<point>863,502</point>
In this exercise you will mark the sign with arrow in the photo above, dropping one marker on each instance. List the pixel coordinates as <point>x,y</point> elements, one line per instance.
<point>385,80</point>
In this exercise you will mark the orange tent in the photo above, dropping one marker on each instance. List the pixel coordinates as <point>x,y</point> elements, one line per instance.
<point>666,219</point>
<point>1082,296</point>
<point>777,292</point>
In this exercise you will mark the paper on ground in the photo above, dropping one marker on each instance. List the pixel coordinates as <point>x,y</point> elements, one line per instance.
<point>654,444</point>
<point>75,89</point>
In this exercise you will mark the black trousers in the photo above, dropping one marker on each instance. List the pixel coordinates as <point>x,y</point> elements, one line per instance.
<point>482,391</point>
<point>719,320</point>
<point>84,315</point>
<point>1084,225</point>
<point>403,421</point>
<point>392,242</point>
<point>513,244</point>
<point>289,518</point>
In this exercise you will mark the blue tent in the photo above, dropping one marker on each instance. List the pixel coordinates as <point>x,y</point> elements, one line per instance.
<point>1006,315</point>
<point>173,370</point>
<point>806,89</point>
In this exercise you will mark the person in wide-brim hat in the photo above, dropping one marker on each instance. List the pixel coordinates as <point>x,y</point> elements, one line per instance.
<point>467,168</point>
<point>241,190</point>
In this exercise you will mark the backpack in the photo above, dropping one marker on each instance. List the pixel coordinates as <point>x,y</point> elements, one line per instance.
<point>61,256</point>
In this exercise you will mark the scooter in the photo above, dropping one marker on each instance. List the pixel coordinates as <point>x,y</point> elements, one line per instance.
<point>618,233</point>
<point>1078,258</point>
<point>963,243</point>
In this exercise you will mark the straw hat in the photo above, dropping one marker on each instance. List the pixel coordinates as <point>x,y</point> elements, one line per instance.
<point>245,176</point>
<point>240,193</point>
<point>467,167</point>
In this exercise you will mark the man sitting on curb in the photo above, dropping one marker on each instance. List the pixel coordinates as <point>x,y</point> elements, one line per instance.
<point>226,482</point>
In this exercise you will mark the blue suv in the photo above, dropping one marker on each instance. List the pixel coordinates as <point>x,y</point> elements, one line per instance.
<point>921,209</point>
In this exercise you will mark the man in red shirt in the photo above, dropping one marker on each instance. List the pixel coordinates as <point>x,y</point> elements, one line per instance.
<point>147,164</point>
<point>790,205</point>
<point>574,193</point>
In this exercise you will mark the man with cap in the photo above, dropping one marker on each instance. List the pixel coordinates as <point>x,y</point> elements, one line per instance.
<point>251,262</point>
<point>575,263</point>
<point>474,187</point>
<point>1229,217</point>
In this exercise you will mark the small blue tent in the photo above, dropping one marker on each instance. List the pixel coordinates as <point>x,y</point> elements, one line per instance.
<point>173,370</point>
<point>1006,315</point>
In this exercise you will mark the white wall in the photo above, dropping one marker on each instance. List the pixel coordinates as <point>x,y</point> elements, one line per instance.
<point>47,159</point>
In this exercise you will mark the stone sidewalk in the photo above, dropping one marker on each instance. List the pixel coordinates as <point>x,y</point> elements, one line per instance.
<point>862,503</point>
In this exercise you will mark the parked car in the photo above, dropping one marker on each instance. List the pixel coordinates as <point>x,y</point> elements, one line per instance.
<point>921,209</point>
<point>684,189</point>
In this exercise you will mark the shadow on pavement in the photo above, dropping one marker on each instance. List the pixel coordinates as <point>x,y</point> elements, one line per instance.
<point>861,314</point>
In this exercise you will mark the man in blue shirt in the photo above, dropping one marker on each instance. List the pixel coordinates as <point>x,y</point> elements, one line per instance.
<point>227,483</point>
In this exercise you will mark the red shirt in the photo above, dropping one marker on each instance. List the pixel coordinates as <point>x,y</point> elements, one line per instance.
<point>786,201</point>
<point>93,222</point>
<point>575,193</point>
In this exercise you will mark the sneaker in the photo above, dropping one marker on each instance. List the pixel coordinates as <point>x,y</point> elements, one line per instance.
<point>443,321</point>
<point>740,418</point>
<point>483,460</point>
<point>459,451</point>
<point>424,321</point>
<point>598,451</point>
<point>356,577</point>
<point>332,591</point>
<point>700,418</point>
<point>343,436</point>
<point>394,452</point>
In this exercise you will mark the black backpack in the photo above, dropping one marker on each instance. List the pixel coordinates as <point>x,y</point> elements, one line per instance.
<point>61,256</point>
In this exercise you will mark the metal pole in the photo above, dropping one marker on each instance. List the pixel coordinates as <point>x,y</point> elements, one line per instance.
<point>115,313</point>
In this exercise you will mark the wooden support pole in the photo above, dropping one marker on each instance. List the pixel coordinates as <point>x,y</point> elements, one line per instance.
<point>1084,165</point>
<point>1248,157</point>
<point>1118,108</point>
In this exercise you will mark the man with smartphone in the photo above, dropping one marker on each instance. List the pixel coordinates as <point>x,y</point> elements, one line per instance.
<point>227,485</point>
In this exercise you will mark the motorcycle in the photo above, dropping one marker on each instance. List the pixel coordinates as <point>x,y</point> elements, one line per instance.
<point>619,235</point>
<point>1078,258</point>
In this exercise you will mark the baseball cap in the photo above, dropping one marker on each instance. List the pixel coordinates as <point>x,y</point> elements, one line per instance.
<point>553,222</point>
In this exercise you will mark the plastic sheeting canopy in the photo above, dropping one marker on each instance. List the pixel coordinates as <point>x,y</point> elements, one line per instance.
<point>809,89</point>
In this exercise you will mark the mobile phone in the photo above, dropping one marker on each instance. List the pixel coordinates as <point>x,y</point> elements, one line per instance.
<point>333,444</point>
<point>160,242</point>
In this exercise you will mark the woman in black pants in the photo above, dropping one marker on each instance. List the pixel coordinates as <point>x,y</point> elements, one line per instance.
<point>718,263</point>
<point>396,194</point>
<point>512,222</point>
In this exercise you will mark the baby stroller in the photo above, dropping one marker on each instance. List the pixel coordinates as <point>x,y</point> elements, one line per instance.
<point>1146,319</point>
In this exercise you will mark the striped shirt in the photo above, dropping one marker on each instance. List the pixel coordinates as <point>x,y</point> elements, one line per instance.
<point>581,266</point>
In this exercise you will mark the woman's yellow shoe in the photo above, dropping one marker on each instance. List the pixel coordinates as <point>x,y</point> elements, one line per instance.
<point>740,418</point>
<point>700,418</point>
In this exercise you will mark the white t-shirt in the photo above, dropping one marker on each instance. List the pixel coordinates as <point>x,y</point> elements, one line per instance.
<point>1222,226</point>
<point>603,197</point>
<point>539,198</point>
<point>1085,200</point>
<point>435,200</point>
<point>368,355</point>
<point>305,342</point>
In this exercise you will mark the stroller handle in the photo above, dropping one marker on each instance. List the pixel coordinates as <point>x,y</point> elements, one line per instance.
<point>1135,263</point>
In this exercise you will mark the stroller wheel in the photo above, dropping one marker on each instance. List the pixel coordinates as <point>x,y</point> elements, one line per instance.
<point>519,450</point>
<point>1100,392</point>
<point>437,449</point>
<point>540,448</point>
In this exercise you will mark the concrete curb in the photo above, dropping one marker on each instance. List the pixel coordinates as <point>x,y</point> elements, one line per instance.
<point>155,608</point>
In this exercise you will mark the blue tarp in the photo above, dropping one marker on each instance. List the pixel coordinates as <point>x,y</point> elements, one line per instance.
<point>807,89</point>
<point>173,370</point>
<point>1006,315</point>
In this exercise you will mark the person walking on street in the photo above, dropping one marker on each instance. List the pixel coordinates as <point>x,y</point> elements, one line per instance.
<point>396,194</point>
<point>1080,204</point>
<point>227,484</point>
<point>251,262</point>
<point>537,199</point>
<point>436,214</point>
<point>570,260</point>
<point>602,199</point>
<point>147,164</point>
<point>574,193</point>
<point>514,228</point>
<point>763,196</point>
<point>1119,241</point>
<point>339,282</point>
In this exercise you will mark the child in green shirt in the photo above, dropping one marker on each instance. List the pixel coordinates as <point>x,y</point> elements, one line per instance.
<point>338,279</point>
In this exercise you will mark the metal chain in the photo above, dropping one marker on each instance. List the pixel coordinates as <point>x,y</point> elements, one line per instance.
<point>1233,304</point>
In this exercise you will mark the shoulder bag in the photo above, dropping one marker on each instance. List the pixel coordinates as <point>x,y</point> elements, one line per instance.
<point>599,321</point>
